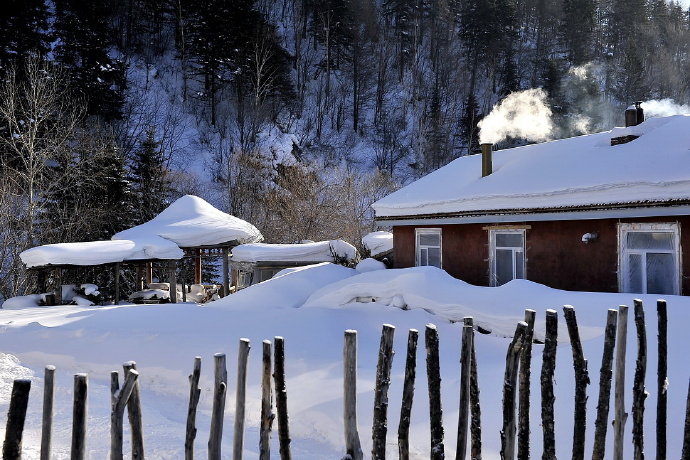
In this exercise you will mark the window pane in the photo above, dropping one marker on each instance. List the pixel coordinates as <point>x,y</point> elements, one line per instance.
<point>434,257</point>
<point>660,274</point>
<point>504,266</point>
<point>635,273</point>
<point>423,257</point>
<point>429,239</point>
<point>650,240</point>
<point>519,265</point>
<point>509,240</point>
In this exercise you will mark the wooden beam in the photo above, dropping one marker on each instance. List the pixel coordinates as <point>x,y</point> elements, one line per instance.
<point>172,267</point>
<point>197,266</point>
<point>226,276</point>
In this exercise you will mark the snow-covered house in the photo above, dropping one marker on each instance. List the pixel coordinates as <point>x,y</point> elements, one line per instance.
<point>256,262</point>
<point>602,212</point>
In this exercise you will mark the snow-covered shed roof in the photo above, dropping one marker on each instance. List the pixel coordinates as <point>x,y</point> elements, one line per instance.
<point>188,222</point>
<point>320,251</point>
<point>579,173</point>
<point>378,242</point>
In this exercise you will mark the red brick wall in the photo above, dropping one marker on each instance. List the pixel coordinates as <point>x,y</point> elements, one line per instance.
<point>556,255</point>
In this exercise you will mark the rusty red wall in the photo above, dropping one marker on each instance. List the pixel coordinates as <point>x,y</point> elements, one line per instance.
<point>556,255</point>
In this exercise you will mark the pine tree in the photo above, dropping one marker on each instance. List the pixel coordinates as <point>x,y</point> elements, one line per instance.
<point>23,31</point>
<point>468,124</point>
<point>150,178</point>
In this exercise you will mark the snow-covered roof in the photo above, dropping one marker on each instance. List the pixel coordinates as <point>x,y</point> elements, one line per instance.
<point>378,242</point>
<point>583,171</point>
<point>188,222</point>
<point>321,251</point>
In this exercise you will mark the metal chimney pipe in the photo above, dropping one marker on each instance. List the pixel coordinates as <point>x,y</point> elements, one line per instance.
<point>487,167</point>
<point>640,112</point>
<point>630,116</point>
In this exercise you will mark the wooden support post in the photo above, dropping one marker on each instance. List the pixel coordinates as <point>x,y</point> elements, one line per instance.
<point>194,394</point>
<point>134,415</point>
<point>548,369</point>
<point>475,409</point>
<point>524,390</point>
<point>184,290</point>
<point>281,398</point>
<point>509,390</point>
<point>41,280</point>
<point>197,266</point>
<point>408,395</point>
<point>139,285</point>
<point>172,270</point>
<point>463,415</point>
<point>353,447</point>
<point>433,371</point>
<point>266,404</point>
<point>148,275</point>
<point>226,274</point>
<point>118,400</point>
<point>639,392</point>
<point>581,382</point>
<point>47,425</point>
<point>218,410</point>
<point>685,454</point>
<point>620,416</point>
<point>383,380</point>
<point>605,376</point>
<point>58,286</point>
<point>16,415</point>
<point>662,379</point>
<point>116,298</point>
<point>238,440</point>
<point>79,417</point>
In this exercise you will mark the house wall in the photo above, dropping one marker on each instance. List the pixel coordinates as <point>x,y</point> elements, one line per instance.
<point>555,253</point>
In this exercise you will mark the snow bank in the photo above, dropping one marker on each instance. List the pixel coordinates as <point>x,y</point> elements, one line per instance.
<point>369,265</point>
<point>378,242</point>
<point>321,251</point>
<point>22,301</point>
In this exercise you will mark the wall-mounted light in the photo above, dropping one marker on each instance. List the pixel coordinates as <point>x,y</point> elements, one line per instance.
<point>589,237</point>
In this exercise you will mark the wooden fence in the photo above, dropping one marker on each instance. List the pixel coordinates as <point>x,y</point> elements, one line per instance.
<point>514,432</point>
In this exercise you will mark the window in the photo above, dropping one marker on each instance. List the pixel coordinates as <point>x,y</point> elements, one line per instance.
<point>649,258</point>
<point>507,257</point>
<point>428,247</point>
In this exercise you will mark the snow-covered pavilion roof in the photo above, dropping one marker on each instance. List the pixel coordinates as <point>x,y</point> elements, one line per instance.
<point>320,251</point>
<point>579,172</point>
<point>378,242</point>
<point>188,222</point>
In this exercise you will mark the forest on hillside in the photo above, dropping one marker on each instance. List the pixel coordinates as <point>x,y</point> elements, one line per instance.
<point>292,114</point>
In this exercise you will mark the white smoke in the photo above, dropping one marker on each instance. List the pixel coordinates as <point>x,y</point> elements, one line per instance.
<point>523,114</point>
<point>663,108</point>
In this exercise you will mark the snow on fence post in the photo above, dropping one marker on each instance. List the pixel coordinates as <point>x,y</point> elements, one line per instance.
<point>524,390</point>
<point>639,393</point>
<point>383,379</point>
<point>79,417</point>
<point>685,455</point>
<point>509,387</point>
<point>353,447</point>
<point>620,416</point>
<point>16,415</point>
<point>463,413</point>
<point>218,409</point>
<point>134,415</point>
<point>547,396</point>
<point>194,393</point>
<point>240,397</point>
<point>266,404</point>
<point>581,382</point>
<point>433,370</point>
<point>281,398</point>
<point>475,409</point>
<point>118,402</point>
<point>47,424</point>
<point>605,376</point>
<point>408,395</point>
<point>662,379</point>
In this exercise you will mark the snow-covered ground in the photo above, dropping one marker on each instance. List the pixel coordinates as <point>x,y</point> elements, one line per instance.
<point>311,307</point>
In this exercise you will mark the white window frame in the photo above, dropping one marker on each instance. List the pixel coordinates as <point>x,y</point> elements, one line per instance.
<point>492,253</point>
<point>418,247</point>
<point>623,252</point>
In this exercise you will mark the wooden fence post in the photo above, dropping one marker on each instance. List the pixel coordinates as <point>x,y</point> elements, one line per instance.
<point>266,404</point>
<point>620,416</point>
<point>639,393</point>
<point>509,387</point>
<point>134,415</point>
<point>218,409</point>
<point>605,375</point>
<point>581,382</point>
<point>463,413</point>
<point>475,409</point>
<point>79,417</point>
<point>433,371</point>
<point>238,440</point>
<point>379,426</point>
<point>353,447</point>
<point>685,454</point>
<point>547,396</point>
<point>662,379</point>
<point>194,394</point>
<point>524,390</point>
<point>47,425</point>
<point>16,415</point>
<point>118,400</point>
<point>281,398</point>
<point>408,395</point>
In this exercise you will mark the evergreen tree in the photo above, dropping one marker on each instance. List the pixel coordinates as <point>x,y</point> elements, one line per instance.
<point>23,31</point>
<point>577,29</point>
<point>468,124</point>
<point>150,178</point>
